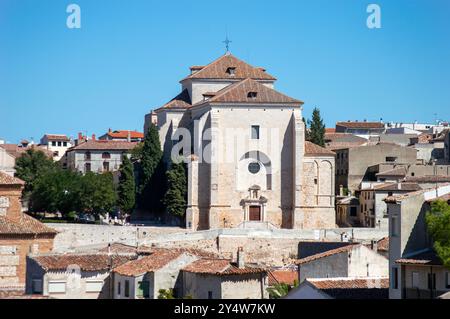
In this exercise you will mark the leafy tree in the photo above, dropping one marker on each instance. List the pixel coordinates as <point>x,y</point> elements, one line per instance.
<point>438,223</point>
<point>136,152</point>
<point>175,197</point>
<point>166,294</point>
<point>280,290</point>
<point>31,165</point>
<point>97,194</point>
<point>316,132</point>
<point>151,177</point>
<point>126,191</point>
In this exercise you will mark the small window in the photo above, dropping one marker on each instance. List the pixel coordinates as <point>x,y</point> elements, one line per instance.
<point>394,226</point>
<point>65,144</point>
<point>210,295</point>
<point>394,278</point>
<point>87,167</point>
<point>255,132</point>
<point>106,155</point>
<point>106,166</point>
<point>391,159</point>
<point>353,211</point>
<point>415,279</point>
<point>254,167</point>
<point>37,286</point>
<point>315,181</point>
<point>431,281</point>
<point>54,143</point>
<point>413,174</point>
<point>252,95</point>
<point>59,143</point>
<point>231,70</point>
<point>127,288</point>
<point>87,156</point>
<point>390,194</point>
<point>119,286</point>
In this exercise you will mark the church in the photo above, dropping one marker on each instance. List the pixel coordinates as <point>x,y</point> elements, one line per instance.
<point>249,165</point>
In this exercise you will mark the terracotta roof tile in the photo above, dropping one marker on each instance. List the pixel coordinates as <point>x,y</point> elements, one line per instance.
<point>312,149</point>
<point>240,92</point>
<point>6,179</point>
<point>181,102</point>
<point>218,70</point>
<point>375,125</point>
<point>282,276</point>
<point>327,253</point>
<point>124,134</point>
<point>423,258</point>
<point>220,267</point>
<point>383,244</point>
<point>26,225</point>
<point>86,262</point>
<point>348,283</point>
<point>57,137</point>
<point>16,150</point>
<point>104,145</point>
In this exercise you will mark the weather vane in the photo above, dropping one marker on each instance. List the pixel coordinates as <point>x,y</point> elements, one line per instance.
<point>227,43</point>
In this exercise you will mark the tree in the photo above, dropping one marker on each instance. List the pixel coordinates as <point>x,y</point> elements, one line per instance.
<point>166,294</point>
<point>316,132</point>
<point>126,191</point>
<point>97,194</point>
<point>175,197</point>
<point>280,290</point>
<point>438,223</point>
<point>32,164</point>
<point>151,177</point>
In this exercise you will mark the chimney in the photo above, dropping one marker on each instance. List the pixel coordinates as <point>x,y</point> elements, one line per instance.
<point>109,130</point>
<point>341,190</point>
<point>80,136</point>
<point>240,258</point>
<point>93,137</point>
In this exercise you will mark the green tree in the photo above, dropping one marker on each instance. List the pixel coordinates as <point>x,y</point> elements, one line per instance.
<point>126,191</point>
<point>438,224</point>
<point>175,197</point>
<point>165,294</point>
<point>97,195</point>
<point>31,165</point>
<point>151,177</point>
<point>280,290</point>
<point>316,132</point>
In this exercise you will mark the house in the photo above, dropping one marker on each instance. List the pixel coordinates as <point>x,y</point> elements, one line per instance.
<point>335,141</point>
<point>347,260</point>
<point>7,162</point>
<point>146,276</point>
<point>57,144</point>
<point>215,278</point>
<point>362,129</point>
<point>122,135</point>
<point>73,276</point>
<point>414,270</point>
<point>341,288</point>
<point>282,276</point>
<point>20,234</point>
<point>347,211</point>
<point>261,172</point>
<point>97,156</point>
<point>373,210</point>
<point>433,128</point>
<point>353,163</point>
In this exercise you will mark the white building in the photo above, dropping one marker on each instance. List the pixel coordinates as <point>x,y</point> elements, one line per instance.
<point>57,144</point>
<point>249,164</point>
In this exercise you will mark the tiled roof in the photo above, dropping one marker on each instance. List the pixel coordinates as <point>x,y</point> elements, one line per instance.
<point>282,276</point>
<point>329,130</point>
<point>105,145</point>
<point>349,283</point>
<point>240,93</point>
<point>25,226</point>
<point>16,150</point>
<point>57,137</point>
<point>156,260</point>
<point>328,253</point>
<point>119,248</point>
<point>6,179</point>
<point>124,134</point>
<point>375,125</point>
<point>334,146</point>
<point>218,70</point>
<point>220,267</point>
<point>383,244</point>
<point>181,102</point>
<point>86,262</point>
<point>428,179</point>
<point>403,187</point>
<point>423,258</point>
<point>399,171</point>
<point>316,150</point>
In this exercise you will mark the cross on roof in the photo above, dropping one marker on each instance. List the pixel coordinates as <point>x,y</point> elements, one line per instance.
<point>227,43</point>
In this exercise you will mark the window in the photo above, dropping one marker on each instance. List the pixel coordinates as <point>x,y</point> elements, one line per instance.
<point>65,144</point>
<point>394,278</point>
<point>37,286</point>
<point>315,181</point>
<point>390,194</point>
<point>106,155</point>
<point>254,167</point>
<point>54,143</point>
<point>119,286</point>
<point>94,286</point>
<point>106,166</point>
<point>87,156</point>
<point>231,70</point>
<point>87,167</point>
<point>252,95</point>
<point>57,287</point>
<point>353,211</point>
<point>127,288</point>
<point>391,159</point>
<point>415,279</point>
<point>59,143</point>
<point>143,290</point>
<point>394,226</point>
<point>255,132</point>
<point>210,295</point>
<point>431,281</point>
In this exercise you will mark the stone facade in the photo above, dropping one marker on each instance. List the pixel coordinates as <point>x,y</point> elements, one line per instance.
<point>250,164</point>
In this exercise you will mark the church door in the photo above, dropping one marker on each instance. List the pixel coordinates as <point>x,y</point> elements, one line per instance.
<point>255,213</point>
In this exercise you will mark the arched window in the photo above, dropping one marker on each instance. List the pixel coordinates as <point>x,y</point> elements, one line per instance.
<point>106,155</point>
<point>87,156</point>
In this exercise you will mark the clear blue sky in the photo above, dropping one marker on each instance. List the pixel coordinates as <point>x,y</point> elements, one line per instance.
<point>129,56</point>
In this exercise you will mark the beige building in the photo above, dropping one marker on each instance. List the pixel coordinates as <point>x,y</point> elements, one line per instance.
<point>57,144</point>
<point>249,164</point>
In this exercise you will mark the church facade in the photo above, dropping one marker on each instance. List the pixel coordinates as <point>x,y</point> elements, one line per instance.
<point>248,162</point>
